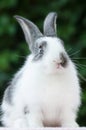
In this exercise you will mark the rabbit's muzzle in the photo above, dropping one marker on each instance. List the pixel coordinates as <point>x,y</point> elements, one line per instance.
<point>62,62</point>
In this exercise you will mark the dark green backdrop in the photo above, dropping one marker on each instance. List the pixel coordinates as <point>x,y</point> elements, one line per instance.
<point>71,27</point>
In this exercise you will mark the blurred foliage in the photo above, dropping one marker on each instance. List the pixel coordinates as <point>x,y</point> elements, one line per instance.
<point>71,26</point>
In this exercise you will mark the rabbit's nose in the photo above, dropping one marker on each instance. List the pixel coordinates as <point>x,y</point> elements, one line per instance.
<point>62,61</point>
<point>58,65</point>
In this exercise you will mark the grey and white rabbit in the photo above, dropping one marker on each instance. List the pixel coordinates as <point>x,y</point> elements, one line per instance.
<point>46,90</point>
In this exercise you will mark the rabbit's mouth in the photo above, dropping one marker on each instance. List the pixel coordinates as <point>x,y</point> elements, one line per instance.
<point>61,65</point>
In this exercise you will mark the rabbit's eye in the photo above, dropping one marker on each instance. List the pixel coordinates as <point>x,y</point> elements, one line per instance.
<point>39,50</point>
<point>40,47</point>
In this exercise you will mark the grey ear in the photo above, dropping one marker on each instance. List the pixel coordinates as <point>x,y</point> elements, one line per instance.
<point>50,24</point>
<point>30,30</point>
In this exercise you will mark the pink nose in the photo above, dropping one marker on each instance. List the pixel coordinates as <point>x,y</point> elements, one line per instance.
<point>58,65</point>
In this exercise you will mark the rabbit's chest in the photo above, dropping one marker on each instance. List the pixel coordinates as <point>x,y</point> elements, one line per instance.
<point>49,94</point>
<point>49,97</point>
<point>52,103</point>
<point>54,92</point>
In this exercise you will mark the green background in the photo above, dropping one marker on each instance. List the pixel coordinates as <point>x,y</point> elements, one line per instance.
<point>71,28</point>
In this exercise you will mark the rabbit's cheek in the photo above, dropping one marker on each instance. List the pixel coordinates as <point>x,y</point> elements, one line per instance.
<point>47,68</point>
<point>50,68</point>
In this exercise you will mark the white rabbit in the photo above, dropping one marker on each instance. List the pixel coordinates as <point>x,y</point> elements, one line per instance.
<point>45,92</point>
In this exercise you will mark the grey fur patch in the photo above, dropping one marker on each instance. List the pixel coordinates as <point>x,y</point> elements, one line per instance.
<point>39,50</point>
<point>26,110</point>
<point>8,94</point>
<point>64,59</point>
<point>10,89</point>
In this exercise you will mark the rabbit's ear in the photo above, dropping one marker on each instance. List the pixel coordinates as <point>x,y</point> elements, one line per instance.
<point>50,24</point>
<point>30,30</point>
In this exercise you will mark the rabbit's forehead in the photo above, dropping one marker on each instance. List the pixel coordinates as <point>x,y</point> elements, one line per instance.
<point>47,39</point>
<point>53,43</point>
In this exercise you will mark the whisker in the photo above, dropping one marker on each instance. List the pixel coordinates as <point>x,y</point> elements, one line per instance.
<point>75,53</point>
<point>69,50</point>
<point>75,61</point>
<point>82,65</point>
<point>81,58</point>
<point>79,66</point>
<point>21,56</point>
<point>82,77</point>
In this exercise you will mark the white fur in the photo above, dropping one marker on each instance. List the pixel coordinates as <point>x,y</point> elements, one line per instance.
<point>52,95</point>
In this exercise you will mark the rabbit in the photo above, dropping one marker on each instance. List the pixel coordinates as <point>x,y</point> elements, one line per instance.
<point>46,91</point>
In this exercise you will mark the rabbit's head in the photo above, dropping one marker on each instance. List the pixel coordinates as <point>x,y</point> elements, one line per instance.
<point>47,49</point>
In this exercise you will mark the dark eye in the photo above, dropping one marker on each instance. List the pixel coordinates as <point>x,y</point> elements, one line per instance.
<point>40,47</point>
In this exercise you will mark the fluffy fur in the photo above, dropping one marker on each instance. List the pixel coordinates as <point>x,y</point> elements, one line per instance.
<point>43,94</point>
